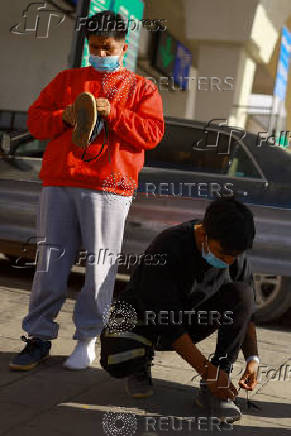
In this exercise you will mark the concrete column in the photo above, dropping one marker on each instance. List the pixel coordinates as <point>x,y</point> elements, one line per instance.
<point>224,81</point>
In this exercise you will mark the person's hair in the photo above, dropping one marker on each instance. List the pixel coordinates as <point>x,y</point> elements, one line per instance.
<point>231,223</point>
<point>107,24</point>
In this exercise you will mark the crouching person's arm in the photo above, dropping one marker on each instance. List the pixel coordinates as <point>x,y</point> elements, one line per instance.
<point>218,383</point>
<point>248,381</point>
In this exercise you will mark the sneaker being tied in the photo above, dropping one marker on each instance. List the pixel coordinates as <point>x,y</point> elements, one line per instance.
<point>224,410</point>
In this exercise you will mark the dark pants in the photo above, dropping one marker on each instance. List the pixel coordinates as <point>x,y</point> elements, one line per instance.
<point>236,297</point>
<point>120,354</point>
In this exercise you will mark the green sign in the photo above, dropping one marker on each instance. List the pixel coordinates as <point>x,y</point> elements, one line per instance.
<point>165,56</point>
<point>132,11</point>
<point>283,140</point>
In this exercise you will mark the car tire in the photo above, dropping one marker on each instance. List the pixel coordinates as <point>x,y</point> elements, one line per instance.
<point>273,296</point>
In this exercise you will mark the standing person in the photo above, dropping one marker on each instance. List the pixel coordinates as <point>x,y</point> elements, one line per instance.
<point>193,279</point>
<point>99,120</point>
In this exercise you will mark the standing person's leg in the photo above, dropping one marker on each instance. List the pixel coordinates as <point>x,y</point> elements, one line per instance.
<point>58,237</point>
<point>102,217</point>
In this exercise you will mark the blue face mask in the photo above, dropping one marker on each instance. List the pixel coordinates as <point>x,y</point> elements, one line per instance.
<point>213,260</point>
<point>106,63</point>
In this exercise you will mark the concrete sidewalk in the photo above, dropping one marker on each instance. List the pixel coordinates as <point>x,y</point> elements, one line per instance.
<point>53,401</point>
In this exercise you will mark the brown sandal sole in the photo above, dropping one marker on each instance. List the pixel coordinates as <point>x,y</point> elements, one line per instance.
<point>86,115</point>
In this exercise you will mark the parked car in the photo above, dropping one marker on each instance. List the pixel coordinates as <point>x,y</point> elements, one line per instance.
<point>192,165</point>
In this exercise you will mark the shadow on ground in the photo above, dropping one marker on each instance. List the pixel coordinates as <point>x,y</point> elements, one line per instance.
<point>53,401</point>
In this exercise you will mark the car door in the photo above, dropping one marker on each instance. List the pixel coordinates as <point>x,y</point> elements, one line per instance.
<point>183,173</point>
<point>19,193</point>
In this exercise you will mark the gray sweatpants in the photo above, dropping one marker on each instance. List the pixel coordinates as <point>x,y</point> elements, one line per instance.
<point>70,218</point>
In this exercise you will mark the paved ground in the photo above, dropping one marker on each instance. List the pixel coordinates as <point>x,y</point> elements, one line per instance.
<point>53,401</point>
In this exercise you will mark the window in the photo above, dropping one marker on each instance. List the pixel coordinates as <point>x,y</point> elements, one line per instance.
<point>194,149</point>
<point>241,165</point>
<point>6,120</point>
<point>176,150</point>
<point>13,120</point>
<point>29,147</point>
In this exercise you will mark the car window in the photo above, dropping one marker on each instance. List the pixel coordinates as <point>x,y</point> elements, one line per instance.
<point>29,147</point>
<point>176,150</point>
<point>241,165</point>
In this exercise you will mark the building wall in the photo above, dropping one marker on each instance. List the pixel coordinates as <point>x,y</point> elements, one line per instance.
<point>29,63</point>
<point>176,103</point>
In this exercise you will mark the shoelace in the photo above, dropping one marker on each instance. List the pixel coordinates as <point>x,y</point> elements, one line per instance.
<point>29,344</point>
<point>251,404</point>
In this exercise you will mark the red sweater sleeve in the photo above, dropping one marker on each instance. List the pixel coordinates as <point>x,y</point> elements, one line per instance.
<point>45,115</point>
<point>143,128</point>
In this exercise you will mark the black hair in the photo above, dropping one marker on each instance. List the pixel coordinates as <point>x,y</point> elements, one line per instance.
<point>231,223</point>
<point>106,23</point>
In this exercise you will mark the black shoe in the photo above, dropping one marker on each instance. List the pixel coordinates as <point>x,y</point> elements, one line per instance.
<point>139,384</point>
<point>33,353</point>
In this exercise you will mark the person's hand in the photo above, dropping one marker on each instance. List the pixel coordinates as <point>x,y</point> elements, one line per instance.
<point>249,381</point>
<point>103,106</point>
<point>69,115</point>
<point>218,383</point>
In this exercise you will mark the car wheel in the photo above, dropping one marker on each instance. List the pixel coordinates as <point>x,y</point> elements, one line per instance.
<point>273,296</point>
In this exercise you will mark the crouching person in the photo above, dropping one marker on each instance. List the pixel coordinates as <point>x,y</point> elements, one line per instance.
<point>197,267</point>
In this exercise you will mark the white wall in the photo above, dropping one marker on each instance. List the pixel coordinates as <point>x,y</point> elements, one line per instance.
<point>29,63</point>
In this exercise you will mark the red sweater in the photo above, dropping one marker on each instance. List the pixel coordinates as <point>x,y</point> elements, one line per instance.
<point>135,124</point>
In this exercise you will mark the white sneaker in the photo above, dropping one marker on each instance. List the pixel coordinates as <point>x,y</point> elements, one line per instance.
<point>82,356</point>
